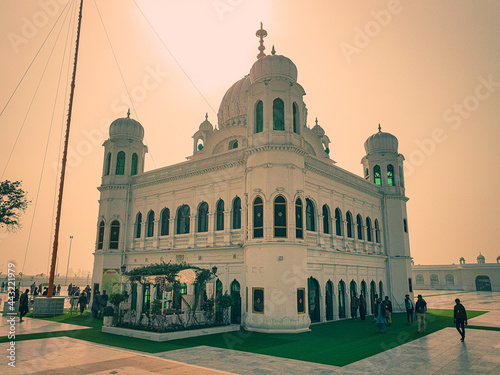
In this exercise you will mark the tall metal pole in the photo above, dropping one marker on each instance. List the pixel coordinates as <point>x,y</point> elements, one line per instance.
<point>63,167</point>
<point>69,255</point>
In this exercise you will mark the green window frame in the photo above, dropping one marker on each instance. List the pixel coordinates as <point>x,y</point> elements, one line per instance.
<point>100,236</point>
<point>278,114</point>
<point>135,162</point>
<point>258,218</point>
<point>299,222</point>
<point>114,235</point>
<point>280,226</point>
<point>259,117</point>
<point>377,176</point>
<point>120,163</point>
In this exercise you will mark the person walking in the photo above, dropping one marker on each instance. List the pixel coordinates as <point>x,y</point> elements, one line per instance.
<point>388,310</point>
<point>420,310</point>
<point>460,318</point>
<point>82,301</point>
<point>58,289</point>
<point>362,307</point>
<point>380,312</point>
<point>410,306</point>
<point>354,306</point>
<point>35,292</point>
<point>23,304</point>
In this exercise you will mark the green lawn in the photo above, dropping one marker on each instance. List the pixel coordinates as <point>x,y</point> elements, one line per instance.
<point>335,343</point>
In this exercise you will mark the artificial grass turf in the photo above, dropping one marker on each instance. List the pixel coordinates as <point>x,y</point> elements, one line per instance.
<point>335,343</point>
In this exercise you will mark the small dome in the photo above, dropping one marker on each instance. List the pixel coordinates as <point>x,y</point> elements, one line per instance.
<point>273,66</point>
<point>480,257</point>
<point>233,103</point>
<point>126,128</point>
<point>206,126</point>
<point>462,258</point>
<point>381,142</point>
<point>318,130</point>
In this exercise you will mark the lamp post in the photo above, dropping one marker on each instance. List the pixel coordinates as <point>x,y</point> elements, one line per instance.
<point>69,255</point>
<point>214,271</point>
<point>123,268</point>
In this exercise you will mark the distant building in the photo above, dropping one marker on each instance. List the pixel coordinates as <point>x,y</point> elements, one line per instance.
<point>480,276</point>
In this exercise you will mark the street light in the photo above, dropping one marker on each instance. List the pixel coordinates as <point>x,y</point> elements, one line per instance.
<point>214,270</point>
<point>69,254</point>
<point>123,268</point>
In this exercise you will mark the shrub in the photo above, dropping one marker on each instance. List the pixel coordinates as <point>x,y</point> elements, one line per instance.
<point>108,311</point>
<point>116,298</point>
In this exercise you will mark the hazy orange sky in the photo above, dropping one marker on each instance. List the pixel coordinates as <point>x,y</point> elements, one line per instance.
<point>429,72</point>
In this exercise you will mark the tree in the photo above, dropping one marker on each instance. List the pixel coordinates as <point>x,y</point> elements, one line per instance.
<point>13,202</point>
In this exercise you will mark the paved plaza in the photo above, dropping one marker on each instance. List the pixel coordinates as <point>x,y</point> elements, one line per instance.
<point>440,352</point>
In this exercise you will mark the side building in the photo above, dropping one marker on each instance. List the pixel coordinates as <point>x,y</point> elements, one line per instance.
<point>479,276</point>
<point>293,236</point>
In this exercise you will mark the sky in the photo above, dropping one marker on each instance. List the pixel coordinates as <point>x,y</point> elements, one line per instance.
<point>428,72</point>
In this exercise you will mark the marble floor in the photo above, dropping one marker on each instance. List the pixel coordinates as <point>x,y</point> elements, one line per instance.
<point>438,353</point>
<point>31,325</point>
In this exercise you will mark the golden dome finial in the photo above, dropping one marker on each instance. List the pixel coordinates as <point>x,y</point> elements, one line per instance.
<point>128,113</point>
<point>379,128</point>
<point>261,33</point>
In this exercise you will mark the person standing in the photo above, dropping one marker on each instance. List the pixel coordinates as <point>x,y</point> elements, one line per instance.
<point>58,289</point>
<point>82,301</point>
<point>410,306</point>
<point>460,317</point>
<point>354,306</point>
<point>23,304</point>
<point>96,304</point>
<point>362,307</point>
<point>388,310</point>
<point>35,292</point>
<point>380,312</point>
<point>104,302</point>
<point>420,310</point>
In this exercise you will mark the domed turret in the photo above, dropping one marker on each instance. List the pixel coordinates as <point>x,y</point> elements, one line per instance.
<point>480,258</point>
<point>381,142</point>
<point>206,126</point>
<point>126,128</point>
<point>273,66</point>
<point>318,130</point>
<point>234,103</point>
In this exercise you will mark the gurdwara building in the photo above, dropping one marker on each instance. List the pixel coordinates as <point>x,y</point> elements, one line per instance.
<point>293,235</point>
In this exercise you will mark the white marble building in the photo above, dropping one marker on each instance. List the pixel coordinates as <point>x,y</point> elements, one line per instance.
<point>291,233</point>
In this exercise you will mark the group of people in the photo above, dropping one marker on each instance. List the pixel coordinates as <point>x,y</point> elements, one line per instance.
<point>99,302</point>
<point>359,303</point>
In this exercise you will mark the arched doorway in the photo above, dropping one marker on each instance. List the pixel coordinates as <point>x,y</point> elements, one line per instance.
<point>362,291</point>
<point>329,300</point>
<point>236,309</point>
<point>483,283</point>
<point>219,312</point>
<point>373,292</point>
<point>341,299</point>
<point>313,292</point>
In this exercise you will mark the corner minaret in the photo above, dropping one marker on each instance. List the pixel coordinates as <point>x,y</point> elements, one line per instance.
<point>383,166</point>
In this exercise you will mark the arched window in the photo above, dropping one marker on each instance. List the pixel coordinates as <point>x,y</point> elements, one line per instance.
<point>203,217</point>
<point>377,178</point>
<point>237,213</point>
<point>362,291</point>
<point>183,219</point>
<point>258,218</point>
<point>135,161</point>
<point>120,163</point>
<point>349,224</point>
<point>405,225</point>
<point>434,280</point>
<point>299,226</point>
<point>373,295</point>
<point>219,219</point>
<point>390,175</point>
<point>338,222</point>
<point>369,229</point>
<point>295,118</point>
<point>450,280</point>
<point>401,177</point>
<point>419,279</point>
<point>313,294</point>
<point>377,232</point>
<point>341,290</point>
<point>352,288</point>
<point>100,236</point>
<point>150,224</point>
<point>233,144</point>
<point>259,117</point>
<point>329,300</point>
<point>326,219</point>
<point>114,235</point>
<point>165,222</point>
<point>107,166</point>
<point>381,290</point>
<point>359,224</point>
<point>280,228</point>
<point>310,213</point>
<point>138,225</point>
<point>278,114</point>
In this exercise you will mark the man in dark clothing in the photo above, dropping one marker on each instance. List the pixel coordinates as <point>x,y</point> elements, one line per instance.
<point>23,304</point>
<point>82,301</point>
<point>354,306</point>
<point>362,307</point>
<point>104,302</point>
<point>388,310</point>
<point>460,317</point>
<point>96,304</point>
<point>420,310</point>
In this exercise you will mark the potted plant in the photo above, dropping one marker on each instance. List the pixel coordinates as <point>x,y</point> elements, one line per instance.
<point>108,314</point>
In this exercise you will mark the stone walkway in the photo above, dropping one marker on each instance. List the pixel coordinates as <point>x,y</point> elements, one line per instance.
<point>438,353</point>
